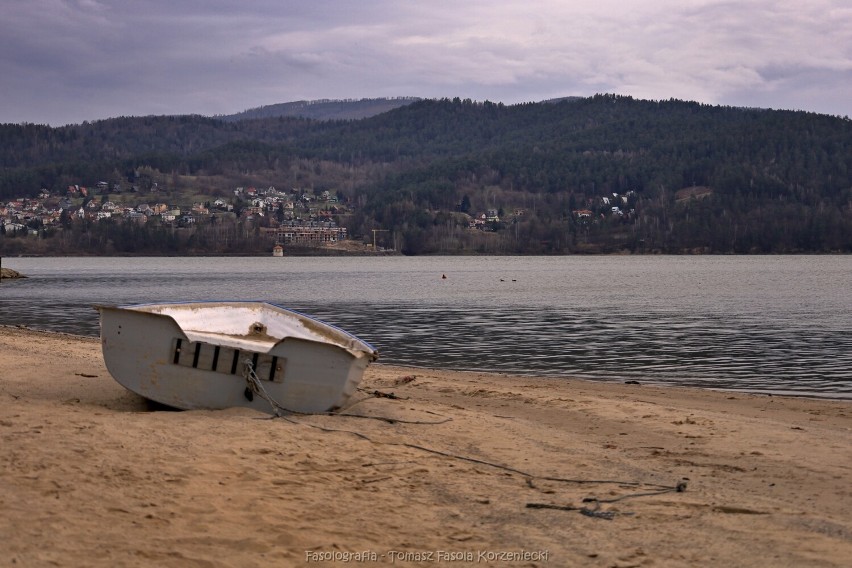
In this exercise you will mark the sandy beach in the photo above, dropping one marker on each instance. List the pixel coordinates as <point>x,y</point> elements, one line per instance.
<point>471,469</point>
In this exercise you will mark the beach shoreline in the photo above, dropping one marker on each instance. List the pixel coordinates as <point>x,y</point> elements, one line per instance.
<point>461,468</point>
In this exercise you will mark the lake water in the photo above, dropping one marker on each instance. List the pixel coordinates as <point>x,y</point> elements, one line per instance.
<point>772,324</point>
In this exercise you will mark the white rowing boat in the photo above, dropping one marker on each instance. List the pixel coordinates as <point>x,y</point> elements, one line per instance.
<point>217,355</point>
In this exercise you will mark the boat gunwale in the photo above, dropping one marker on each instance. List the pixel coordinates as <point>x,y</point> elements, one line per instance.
<point>370,349</point>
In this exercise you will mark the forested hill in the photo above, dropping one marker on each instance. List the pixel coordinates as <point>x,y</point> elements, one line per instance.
<point>599,174</point>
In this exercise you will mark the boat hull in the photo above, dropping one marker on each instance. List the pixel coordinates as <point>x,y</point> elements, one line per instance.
<point>167,355</point>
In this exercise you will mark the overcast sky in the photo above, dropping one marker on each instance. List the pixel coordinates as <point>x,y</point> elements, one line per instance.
<point>65,61</point>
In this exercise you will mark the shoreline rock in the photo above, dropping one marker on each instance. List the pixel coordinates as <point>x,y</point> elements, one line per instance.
<point>9,273</point>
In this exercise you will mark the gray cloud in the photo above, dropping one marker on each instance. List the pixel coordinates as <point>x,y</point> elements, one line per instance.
<point>67,61</point>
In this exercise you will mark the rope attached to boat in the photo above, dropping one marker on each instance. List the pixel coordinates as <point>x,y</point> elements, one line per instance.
<point>255,387</point>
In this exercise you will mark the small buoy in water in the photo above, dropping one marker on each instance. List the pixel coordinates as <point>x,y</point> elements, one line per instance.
<point>443,276</point>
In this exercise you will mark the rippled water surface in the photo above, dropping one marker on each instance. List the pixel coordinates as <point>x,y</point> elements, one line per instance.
<point>780,324</point>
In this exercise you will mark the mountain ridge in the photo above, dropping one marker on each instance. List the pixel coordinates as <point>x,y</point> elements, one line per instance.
<point>323,109</point>
<point>770,181</point>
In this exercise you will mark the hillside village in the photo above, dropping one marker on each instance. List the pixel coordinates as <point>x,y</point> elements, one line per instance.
<point>294,217</point>
<point>297,217</point>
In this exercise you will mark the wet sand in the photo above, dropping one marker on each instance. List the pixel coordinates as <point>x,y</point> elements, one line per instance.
<point>475,469</point>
